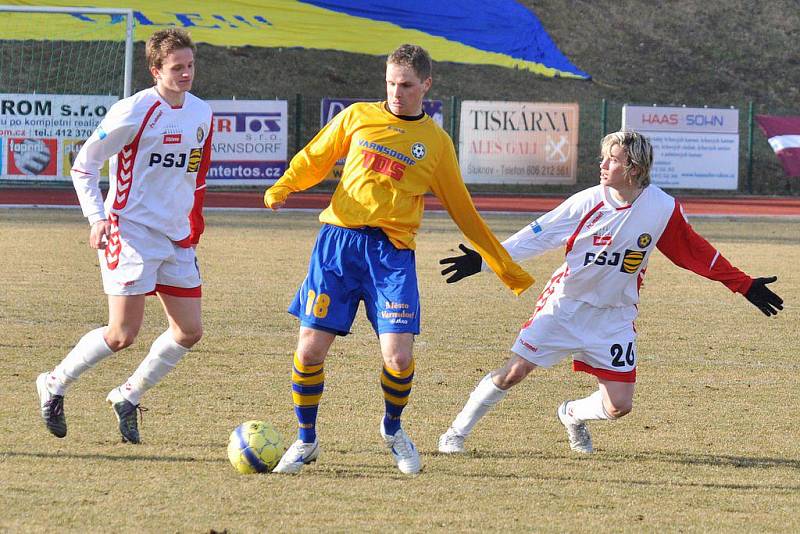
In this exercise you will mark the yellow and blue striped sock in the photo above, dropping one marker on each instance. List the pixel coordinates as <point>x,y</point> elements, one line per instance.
<point>396,387</point>
<point>308,381</point>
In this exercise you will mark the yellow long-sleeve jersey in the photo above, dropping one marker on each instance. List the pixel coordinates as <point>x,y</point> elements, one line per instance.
<point>391,164</point>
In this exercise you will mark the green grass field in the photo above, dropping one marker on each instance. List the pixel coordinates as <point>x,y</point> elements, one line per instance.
<point>712,443</point>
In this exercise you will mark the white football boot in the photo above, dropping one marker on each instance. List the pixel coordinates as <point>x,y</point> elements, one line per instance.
<point>578,433</point>
<point>296,456</point>
<point>451,442</point>
<point>404,452</point>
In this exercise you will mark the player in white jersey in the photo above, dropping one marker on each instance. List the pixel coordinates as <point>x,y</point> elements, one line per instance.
<point>159,145</point>
<point>588,307</point>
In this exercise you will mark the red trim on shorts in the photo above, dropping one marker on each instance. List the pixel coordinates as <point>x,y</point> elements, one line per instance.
<point>184,243</point>
<point>187,292</point>
<point>614,376</point>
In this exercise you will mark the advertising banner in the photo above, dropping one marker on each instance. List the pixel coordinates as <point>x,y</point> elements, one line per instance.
<point>330,107</point>
<point>693,148</point>
<point>518,142</point>
<point>501,32</point>
<point>249,143</point>
<point>783,135</point>
<point>40,135</point>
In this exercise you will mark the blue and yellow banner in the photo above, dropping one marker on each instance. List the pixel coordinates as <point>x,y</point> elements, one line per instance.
<point>500,32</point>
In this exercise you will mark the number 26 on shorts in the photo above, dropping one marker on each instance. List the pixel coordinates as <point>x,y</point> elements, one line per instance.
<point>622,357</point>
<point>317,305</point>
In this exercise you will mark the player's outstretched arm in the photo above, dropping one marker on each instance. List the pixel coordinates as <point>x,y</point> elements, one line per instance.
<point>763,297</point>
<point>462,266</point>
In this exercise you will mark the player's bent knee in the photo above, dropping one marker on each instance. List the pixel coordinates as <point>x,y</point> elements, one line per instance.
<point>514,372</point>
<point>118,340</point>
<point>398,361</point>
<point>619,409</point>
<point>507,378</point>
<point>188,338</point>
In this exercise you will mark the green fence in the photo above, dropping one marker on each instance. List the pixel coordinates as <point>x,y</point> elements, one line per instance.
<point>760,172</point>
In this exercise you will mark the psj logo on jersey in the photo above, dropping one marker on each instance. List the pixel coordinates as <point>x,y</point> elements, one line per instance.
<point>178,161</point>
<point>630,261</point>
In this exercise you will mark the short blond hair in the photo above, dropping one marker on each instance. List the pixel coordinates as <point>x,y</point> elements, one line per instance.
<point>639,151</point>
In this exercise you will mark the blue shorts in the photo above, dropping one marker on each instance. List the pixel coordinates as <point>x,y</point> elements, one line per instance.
<point>349,265</point>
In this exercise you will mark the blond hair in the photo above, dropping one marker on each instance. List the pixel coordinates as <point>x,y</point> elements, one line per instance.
<point>639,151</point>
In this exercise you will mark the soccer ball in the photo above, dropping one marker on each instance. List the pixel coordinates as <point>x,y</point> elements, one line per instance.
<point>255,447</point>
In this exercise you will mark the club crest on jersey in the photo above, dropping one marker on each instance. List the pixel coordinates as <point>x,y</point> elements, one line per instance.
<point>632,260</point>
<point>644,241</point>
<point>418,150</point>
<point>201,134</point>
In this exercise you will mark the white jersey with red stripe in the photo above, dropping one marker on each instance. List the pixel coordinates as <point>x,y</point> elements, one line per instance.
<point>608,245</point>
<point>158,158</point>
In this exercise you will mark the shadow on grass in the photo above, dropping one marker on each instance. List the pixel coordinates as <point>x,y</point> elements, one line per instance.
<point>601,457</point>
<point>686,458</point>
<point>717,460</point>
<point>111,457</point>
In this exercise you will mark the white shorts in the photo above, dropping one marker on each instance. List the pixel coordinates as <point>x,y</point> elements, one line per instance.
<point>602,341</point>
<point>138,260</point>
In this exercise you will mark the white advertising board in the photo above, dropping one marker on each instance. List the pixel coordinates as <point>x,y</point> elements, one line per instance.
<point>249,143</point>
<point>40,135</point>
<point>518,142</point>
<point>693,148</point>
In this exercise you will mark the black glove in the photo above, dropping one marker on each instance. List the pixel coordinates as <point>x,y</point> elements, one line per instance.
<point>462,266</point>
<point>763,298</point>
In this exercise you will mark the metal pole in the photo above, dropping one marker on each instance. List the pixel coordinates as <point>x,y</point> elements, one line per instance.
<point>603,117</point>
<point>453,111</point>
<point>750,147</point>
<point>128,80</point>
<point>89,10</point>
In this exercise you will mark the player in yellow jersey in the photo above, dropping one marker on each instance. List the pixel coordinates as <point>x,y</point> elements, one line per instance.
<point>365,249</point>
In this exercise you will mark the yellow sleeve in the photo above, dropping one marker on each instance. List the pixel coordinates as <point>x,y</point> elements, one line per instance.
<point>448,186</point>
<point>312,164</point>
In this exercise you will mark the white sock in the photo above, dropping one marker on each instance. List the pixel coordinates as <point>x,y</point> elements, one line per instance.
<point>483,397</point>
<point>588,409</point>
<point>164,355</point>
<point>90,350</point>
